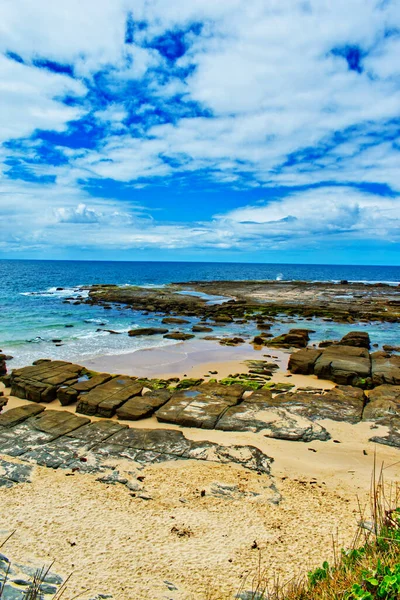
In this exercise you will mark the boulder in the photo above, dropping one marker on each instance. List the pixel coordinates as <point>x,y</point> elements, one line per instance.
<point>201,329</point>
<point>358,339</point>
<point>383,401</point>
<point>147,331</point>
<point>296,338</point>
<point>179,335</point>
<point>346,365</point>
<point>222,318</point>
<point>385,368</point>
<point>303,361</point>
<point>174,321</point>
<point>235,341</point>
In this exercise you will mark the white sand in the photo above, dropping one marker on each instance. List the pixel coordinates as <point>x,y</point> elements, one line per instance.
<point>127,546</point>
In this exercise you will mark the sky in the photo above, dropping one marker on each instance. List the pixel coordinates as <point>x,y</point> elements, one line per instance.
<point>261,130</point>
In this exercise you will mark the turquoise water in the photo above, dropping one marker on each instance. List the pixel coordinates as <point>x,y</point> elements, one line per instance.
<point>33,313</point>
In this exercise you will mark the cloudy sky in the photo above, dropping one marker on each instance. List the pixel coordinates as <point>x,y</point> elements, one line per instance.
<point>260,130</point>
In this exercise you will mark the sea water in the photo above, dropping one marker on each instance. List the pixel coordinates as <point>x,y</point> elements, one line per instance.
<point>33,314</point>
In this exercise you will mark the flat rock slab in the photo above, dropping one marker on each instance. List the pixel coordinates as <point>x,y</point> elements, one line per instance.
<point>97,432</point>
<point>144,406</point>
<point>69,394</point>
<point>58,422</point>
<point>272,422</point>
<point>12,473</point>
<point>104,400</point>
<point>60,439</point>
<point>200,406</point>
<point>40,382</point>
<point>14,416</point>
<point>392,437</point>
<point>343,403</point>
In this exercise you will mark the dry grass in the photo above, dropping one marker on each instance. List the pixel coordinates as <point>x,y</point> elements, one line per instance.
<point>34,591</point>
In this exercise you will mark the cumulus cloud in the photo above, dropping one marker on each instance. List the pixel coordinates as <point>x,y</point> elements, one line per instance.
<point>261,95</point>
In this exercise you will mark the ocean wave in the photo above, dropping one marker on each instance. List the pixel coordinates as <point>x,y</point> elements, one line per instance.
<point>75,292</point>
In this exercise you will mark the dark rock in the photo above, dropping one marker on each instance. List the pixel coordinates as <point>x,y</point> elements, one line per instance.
<point>346,365</point>
<point>235,341</point>
<point>178,335</point>
<point>326,343</point>
<point>385,369</point>
<point>297,338</point>
<point>383,401</point>
<point>69,394</point>
<point>303,361</point>
<point>201,329</point>
<point>144,406</point>
<point>104,399</point>
<point>358,339</point>
<point>200,406</point>
<point>174,320</point>
<point>388,348</point>
<point>147,331</point>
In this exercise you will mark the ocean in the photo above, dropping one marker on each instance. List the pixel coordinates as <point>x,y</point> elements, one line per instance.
<point>33,314</point>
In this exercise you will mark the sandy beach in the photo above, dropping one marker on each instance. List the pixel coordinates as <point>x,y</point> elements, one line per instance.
<point>204,535</point>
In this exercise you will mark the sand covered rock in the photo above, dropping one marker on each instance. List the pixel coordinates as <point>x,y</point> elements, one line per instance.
<point>343,403</point>
<point>272,421</point>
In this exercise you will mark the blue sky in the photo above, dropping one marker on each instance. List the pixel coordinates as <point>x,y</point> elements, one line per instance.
<point>264,131</point>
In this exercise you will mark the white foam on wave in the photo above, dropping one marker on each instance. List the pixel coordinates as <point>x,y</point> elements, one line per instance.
<point>76,292</point>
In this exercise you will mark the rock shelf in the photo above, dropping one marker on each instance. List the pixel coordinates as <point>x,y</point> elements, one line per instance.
<point>343,302</point>
<point>230,405</point>
<point>59,439</point>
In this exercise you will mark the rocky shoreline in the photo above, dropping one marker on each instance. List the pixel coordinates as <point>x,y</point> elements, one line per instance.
<point>343,302</point>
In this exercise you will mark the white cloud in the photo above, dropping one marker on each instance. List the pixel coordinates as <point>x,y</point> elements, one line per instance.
<point>27,100</point>
<point>281,108</point>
